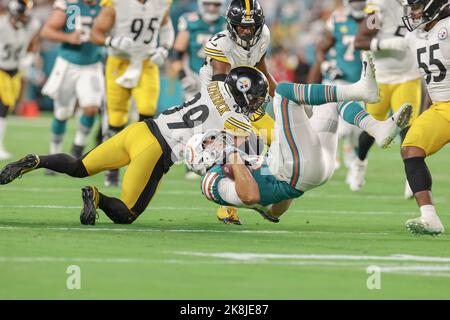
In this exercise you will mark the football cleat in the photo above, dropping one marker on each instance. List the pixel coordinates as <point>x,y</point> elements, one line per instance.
<point>421,226</point>
<point>368,85</point>
<point>356,177</point>
<point>228,215</point>
<point>266,215</point>
<point>89,213</point>
<point>388,130</point>
<point>17,169</point>
<point>112,178</point>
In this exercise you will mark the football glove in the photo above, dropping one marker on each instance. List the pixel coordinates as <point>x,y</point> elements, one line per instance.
<point>119,43</point>
<point>159,56</point>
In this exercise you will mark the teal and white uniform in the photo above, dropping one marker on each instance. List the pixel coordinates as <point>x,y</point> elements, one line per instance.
<point>345,57</point>
<point>303,153</point>
<point>78,72</point>
<point>271,189</point>
<point>199,34</point>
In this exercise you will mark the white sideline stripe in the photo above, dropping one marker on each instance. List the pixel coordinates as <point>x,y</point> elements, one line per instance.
<point>208,208</point>
<point>416,270</point>
<point>313,195</point>
<point>262,256</point>
<point>89,229</point>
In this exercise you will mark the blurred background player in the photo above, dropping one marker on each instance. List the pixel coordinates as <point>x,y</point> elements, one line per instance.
<point>78,73</point>
<point>194,31</point>
<point>339,62</point>
<point>383,32</point>
<point>131,30</point>
<point>19,35</point>
<point>245,42</point>
<point>429,23</point>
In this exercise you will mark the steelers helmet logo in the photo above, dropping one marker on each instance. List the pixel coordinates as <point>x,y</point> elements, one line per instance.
<point>443,34</point>
<point>244,84</point>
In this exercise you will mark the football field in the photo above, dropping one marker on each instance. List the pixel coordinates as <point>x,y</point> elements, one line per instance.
<point>332,244</point>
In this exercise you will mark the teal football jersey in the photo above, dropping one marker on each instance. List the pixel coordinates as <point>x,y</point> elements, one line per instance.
<point>80,16</point>
<point>199,34</point>
<point>348,59</point>
<point>271,189</point>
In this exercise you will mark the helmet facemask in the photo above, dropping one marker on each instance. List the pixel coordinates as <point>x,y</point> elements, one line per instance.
<point>422,12</point>
<point>356,8</point>
<point>20,11</point>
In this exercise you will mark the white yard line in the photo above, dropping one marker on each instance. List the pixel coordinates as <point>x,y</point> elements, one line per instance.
<point>194,209</point>
<point>233,231</point>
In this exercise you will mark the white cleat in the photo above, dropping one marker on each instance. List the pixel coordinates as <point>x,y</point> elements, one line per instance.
<point>368,85</point>
<point>421,226</point>
<point>386,132</point>
<point>4,155</point>
<point>356,177</point>
<point>409,194</point>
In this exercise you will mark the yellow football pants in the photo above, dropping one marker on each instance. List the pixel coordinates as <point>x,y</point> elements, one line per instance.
<point>145,94</point>
<point>393,96</point>
<point>138,148</point>
<point>265,128</point>
<point>10,88</point>
<point>431,131</point>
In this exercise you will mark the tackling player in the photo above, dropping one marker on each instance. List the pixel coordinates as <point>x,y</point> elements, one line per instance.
<point>78,72</point>
<point>130,30</point>
<point>245,42</point>
<point>194,31</point>
<point>340,62</point>
<point>429,24</point>
<point>302,156</point>
<point>382,32</point>
<point>19,34</point>
<point>149,148</point>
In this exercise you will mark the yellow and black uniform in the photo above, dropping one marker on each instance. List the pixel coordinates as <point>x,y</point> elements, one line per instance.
<point>132,74</point>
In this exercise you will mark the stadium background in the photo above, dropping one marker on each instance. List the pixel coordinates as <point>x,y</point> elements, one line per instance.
<point>288,60</point>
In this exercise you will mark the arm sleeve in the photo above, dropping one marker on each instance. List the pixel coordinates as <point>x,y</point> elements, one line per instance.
<point>287,90</point>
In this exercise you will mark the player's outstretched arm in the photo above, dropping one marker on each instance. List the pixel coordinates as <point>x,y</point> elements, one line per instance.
<point>262,66</point>
<point>246,186</point>
<point>52,30</point>
<point>103,24</point>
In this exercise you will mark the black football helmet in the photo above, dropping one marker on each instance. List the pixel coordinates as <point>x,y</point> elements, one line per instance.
<point>250,89</point>
<point>20,11</point>
<point>245,13</point>
<point>422,12</point>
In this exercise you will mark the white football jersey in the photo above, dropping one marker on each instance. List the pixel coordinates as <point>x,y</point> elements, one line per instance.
<point>222,48</point>
<point>433,58</point>
<point>212,108</point>
<point>138,21</point>
<point>392,66</point>
<point>14,42</point>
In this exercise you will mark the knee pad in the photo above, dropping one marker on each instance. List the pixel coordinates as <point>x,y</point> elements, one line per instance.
<point>418,175</point>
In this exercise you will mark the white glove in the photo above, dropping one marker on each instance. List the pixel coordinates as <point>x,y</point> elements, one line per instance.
<point>119,43</point>
<point>189,84</point>
<point>396,43</point>
<point>159,56</point>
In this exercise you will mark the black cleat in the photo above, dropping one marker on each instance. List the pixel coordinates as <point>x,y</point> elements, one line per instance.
<point>77,151</point>
<point>112,178</point>
<point>89,213</point>
<point>17,169</point>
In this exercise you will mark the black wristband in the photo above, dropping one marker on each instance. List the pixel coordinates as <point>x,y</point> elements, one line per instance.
<point>219,77</point>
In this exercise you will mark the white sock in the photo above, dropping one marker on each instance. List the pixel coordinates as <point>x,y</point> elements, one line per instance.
<point>56,144</point>
<point>349,92</point>
<point>2,132</point>
<point>369,125</point>
<point>428,212</point>
<point>82,135</point>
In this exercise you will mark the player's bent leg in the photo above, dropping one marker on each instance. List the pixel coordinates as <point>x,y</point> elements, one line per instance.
<point>86,123</point>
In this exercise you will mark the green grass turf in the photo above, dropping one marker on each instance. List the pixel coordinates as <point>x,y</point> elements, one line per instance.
<point>176,248</point>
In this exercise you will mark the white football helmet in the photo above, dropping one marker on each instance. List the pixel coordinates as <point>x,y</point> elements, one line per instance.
<point>210,10</point>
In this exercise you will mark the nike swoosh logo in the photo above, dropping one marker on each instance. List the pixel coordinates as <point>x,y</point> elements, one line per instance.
<point>215,45</point>
<point>365,68</point>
